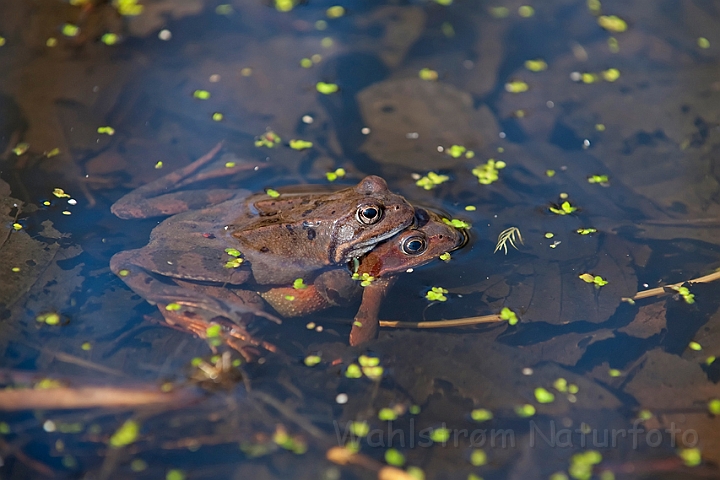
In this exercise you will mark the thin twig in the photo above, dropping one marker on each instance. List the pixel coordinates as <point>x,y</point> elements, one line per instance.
<point>654,292</point>
<point>458,322</point>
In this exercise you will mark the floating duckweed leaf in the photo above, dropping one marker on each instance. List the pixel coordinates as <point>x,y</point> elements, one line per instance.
<point>509,316</point>
<point>526,11</point>
<point>106,130</point>
<point>601,179</point>
<point>87,346</point>
<point>326,88</point>
<point>572,388</point>
<point>612,23</point>
<point>710,360</point>
<point>110,39</point>
<point>284,5</point>
<point>15,269</point>
<point>525,411</point>
<point>213,331</point>
<point>172,307</point>
<point>125,435</point>
<point>224,9</point>
<point>428,74</point>
<point>703,42</point>
<point>436,294</point>
<point>586,231</point>
<point>368,361</point>
<point>335,12</point>
<point>359,429</point>
<point>565,208</point>
<point>49,318</point>
<point>611,74</point>
<point>692,457</point>
<point>233,252</point>
<point>299,284</point>
<point>581,464</point>
<point>456,151</point>
<point>353,371</point>
<point>470,208</point>
<point>2,41</point>
<point>489,172</point>
<point>509,235</point>
<point>312,360</point>
<point>234,263</point>
<point>201,94</point>
<point>272,193</point>
<point>550,173</point>
<point>478,458</point>
<point>332,176</point>
<point>289,298</point>
<point>47,384</point>
<point>124,273</point>
<point>645,415</point>
<point>444,2</point>
<point>560,385</point>
<point>481,415</point>
<point>695,346</point>
<point>431,180</point>
<point>537,65</point>
<point>294,444</point>
<point>217,116</point>
<point>296,144</point>
<point>440,435</point>
<point>544,396</point>
<point>138,465</point>
<point>230,164</point>
<point>595,279</point>
<point>499,12</point>
<point>714,406</point>
<point>456,223</point>
<point>175,474</point>
<point>16,226</point>
<point>445,257</point>
<point>684,292</point>
<point>128,8</point>
<point>387,414</point>
<point>268,139</point>
<point>394,458</point>
<point>549,235</point>
<point>373,373</point>
<point>60,193</point>
<point>21,148</point>
<point>516,86</point>
<point>365,279</point>
<point>159,165</point>
<point>614,372</point>
<point>70,30</point>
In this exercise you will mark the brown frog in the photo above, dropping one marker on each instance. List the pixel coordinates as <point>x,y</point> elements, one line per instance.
<point>429,238</point>
<point>281,239</point>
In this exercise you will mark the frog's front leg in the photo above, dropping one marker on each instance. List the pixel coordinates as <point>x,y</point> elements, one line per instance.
<point>158,198</point>
<point>366,322</point>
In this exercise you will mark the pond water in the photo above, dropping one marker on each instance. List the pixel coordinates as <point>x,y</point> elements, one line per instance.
<point>591,129</point>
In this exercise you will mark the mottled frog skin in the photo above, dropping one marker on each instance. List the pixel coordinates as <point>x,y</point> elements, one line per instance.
<point>280,239</point>
<point>418,245</point>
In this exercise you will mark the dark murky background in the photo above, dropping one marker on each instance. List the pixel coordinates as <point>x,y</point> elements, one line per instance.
<point>654,131</point>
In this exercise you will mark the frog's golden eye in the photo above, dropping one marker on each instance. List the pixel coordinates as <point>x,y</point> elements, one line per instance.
<point>369,214</point>
<point>414,245</point>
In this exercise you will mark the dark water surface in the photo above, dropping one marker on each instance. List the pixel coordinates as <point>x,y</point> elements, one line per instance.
<point>586,385</point>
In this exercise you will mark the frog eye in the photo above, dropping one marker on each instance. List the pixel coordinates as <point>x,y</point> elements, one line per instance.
<point>414,245</point>
<point>369,214</point>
